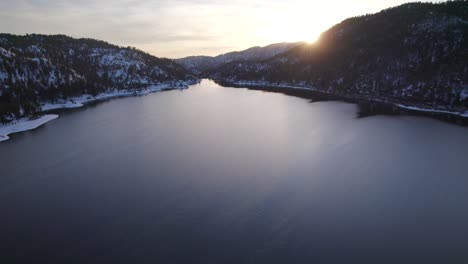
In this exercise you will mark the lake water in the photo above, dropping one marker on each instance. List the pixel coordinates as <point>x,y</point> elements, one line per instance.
<point>230,175</point>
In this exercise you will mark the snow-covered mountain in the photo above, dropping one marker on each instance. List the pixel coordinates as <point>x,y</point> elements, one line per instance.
<point>38,68</point>
<point>415,54</point>
<point>200,64</point>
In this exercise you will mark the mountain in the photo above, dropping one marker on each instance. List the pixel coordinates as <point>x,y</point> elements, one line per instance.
<point>47,68</point>
<point>415,54</point>
<point>199,64</point>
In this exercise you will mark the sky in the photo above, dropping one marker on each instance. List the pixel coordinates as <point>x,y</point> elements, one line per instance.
<point>179,28</point>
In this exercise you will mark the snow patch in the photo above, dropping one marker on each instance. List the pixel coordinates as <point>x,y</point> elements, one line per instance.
<point>281,85</point>
<point>35,49</point>
<point>3,75</point>
<point>464,94</point>
<point>414,108</point>
<point>23,124</point>
<point>6,53</point>
<point>4,41</point>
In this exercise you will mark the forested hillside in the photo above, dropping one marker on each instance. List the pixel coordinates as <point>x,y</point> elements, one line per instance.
<point>416,54</point>
<point>40,68</point>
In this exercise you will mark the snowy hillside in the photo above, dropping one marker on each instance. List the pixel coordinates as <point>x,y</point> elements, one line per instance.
<point>36,68</point>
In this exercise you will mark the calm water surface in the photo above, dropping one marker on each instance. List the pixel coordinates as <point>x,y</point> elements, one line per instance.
<point>230,175</point>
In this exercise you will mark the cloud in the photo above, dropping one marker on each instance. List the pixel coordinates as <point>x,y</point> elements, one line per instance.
<point>175,28</point>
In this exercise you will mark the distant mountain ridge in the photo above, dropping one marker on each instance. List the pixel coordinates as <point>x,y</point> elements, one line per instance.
<point>37,68</point>
<point>415,54</point>
<point>199,64</point>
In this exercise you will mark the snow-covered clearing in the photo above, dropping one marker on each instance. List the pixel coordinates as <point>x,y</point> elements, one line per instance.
<point>23,124</point>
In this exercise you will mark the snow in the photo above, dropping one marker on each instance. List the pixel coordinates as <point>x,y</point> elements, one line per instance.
<point>38,60</point>
<point>79,101</point>
<point>464,94</point>
<point>35,49</point>
<point>61,105</point>
<point>4,41</point>
<point>265,83</point>
<point>23,124</point>
<point>6,53</point>
<point>414,108</point>
<point>3,75</point>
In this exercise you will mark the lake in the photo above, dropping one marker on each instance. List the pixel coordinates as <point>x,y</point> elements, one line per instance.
<point>229,175</point>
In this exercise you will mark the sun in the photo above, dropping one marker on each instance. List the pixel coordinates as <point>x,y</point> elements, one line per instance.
<point>313,40</point>
<point>284,32</point>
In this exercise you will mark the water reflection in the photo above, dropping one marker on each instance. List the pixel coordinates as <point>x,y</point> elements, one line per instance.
<point>230,175</point>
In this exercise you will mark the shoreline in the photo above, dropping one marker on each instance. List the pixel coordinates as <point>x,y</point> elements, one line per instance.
<point>26,124</point>
<point>80,101</point>
<point>369,106</point>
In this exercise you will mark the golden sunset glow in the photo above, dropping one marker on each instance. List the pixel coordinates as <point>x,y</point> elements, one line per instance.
<point>289,33</point>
